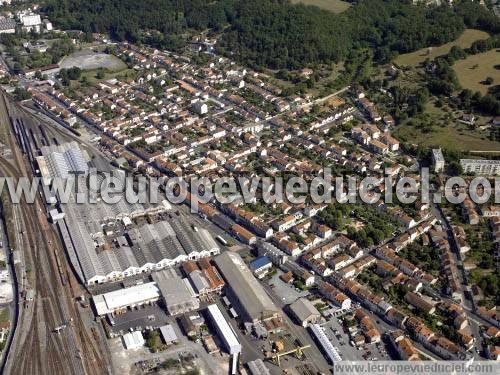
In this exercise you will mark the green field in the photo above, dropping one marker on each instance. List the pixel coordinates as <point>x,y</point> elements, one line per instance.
<point>4,315</point>
<point>335,6</point>
<point>91,77</point>
<point>450,137</point>
<point>464,41</point>
<point>474,69</point>
<point>447,132</point>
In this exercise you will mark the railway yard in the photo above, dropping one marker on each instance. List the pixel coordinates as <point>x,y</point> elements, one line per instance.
<point>51,336</point>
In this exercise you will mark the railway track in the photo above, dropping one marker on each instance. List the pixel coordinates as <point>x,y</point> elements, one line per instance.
<point>46,315</point>
<point>39,350</point>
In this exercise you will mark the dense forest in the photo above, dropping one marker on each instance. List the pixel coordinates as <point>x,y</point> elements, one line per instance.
<point>276,33</point>
<point>126,19</point>
<point>279,35</point>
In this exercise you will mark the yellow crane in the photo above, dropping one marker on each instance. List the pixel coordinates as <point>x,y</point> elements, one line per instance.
<point>298,353</point>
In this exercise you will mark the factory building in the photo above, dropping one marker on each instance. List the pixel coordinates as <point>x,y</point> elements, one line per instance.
<point>304,312</point>
<point>177,294</point>
<point>119,301</point>
<point>105,245</point>
<point>244,291</point>
<point>62,161</point>
<point>168,334</point>
<point>224,330</point>
<point>205,281</point>
<point>325,344</point>
<point>101,239</point>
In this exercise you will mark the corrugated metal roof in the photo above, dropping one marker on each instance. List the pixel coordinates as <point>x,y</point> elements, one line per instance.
<point>225,330</point>
<point>252,297</point>
<point>168,333</point>
<point>157,244</point>
<point>109,302</point>
<point>133,340</point>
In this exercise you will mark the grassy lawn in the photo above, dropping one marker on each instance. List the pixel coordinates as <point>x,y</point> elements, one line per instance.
<point>446,132</point>
<point>4,315</point>
<point>335,6</point>
<point>455,137</point>
<point>108,74</point>
<point>464,41</point>
<point>474,69</point>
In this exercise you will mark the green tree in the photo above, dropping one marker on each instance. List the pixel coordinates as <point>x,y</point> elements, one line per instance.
<point>21,94</point>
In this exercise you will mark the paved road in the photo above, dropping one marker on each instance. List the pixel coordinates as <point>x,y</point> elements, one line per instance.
<point>474,320</point>
<point>325,98</point>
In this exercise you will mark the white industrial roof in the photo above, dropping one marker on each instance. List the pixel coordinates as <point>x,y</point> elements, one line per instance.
<point>225,329</point>
<point>328,348</point>
<point>133,340</point>
<point>63,160</point>
<point>168,333</point>
<point>108,302</point>
<point>31,19</point>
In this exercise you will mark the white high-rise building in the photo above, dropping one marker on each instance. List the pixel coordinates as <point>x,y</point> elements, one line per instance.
<point>437,160</point>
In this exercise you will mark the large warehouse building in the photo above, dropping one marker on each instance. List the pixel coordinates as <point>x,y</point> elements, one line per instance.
<point>224,330</point>
<point>62,161</point>
<point>120,300</point>
<point>177,293</point>
<point>325,344</point>
<point>244,291</point>
<point>105,245</point>
<point>109,242</point>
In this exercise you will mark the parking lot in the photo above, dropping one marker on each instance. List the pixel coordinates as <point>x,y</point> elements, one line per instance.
<point>340,339</point>
<point>148,316</point>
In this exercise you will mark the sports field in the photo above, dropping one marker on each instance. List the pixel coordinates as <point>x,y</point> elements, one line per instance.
<point>88,60</point>
<point>464,41</point>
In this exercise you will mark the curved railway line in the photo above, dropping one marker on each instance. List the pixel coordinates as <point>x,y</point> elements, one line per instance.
<point>38,349</point>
